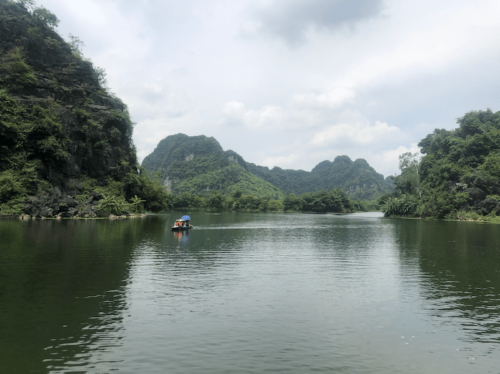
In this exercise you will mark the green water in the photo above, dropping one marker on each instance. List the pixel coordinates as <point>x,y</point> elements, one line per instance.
<point>250,293</point>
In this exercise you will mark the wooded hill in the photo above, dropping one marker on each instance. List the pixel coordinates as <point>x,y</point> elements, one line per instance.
<point>457,178</point>
<point>198,165</point>
<point>357,178</point>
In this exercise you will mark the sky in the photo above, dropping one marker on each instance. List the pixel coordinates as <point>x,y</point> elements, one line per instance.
<point>291,83</point>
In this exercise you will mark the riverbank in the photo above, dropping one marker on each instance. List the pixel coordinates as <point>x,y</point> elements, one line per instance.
<point>208,210</point>
<point>26,217</point>
<point>458,217</point>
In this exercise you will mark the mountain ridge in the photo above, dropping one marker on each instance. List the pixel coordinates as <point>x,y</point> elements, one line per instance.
<point>173,154</point>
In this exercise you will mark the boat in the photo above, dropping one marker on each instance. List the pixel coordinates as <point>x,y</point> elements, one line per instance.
<point>181,224</point>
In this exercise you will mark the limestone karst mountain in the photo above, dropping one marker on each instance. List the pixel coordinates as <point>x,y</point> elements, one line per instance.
<point>63,136</point>
<point>198,164</point>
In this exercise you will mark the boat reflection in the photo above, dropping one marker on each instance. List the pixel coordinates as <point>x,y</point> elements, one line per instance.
<point>182,237</point>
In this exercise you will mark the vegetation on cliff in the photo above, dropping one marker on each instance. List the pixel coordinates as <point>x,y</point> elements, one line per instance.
<point>65,141</point>
<point>457,178</point>
<point>357,178</point>
<point>198,165</point>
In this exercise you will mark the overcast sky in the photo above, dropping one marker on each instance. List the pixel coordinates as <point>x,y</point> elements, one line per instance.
<point>291,83</point>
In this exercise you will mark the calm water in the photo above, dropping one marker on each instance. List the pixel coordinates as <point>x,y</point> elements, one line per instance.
<point>250,293</point>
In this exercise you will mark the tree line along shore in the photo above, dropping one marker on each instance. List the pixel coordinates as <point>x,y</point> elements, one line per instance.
<point>458,176</point>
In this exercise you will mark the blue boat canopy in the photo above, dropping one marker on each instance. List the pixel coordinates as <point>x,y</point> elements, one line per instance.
<point>187,218</point>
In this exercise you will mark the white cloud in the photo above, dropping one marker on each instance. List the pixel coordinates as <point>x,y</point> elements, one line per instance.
<point>303,110</point>
<point>284,162</point>
<point>235,113</point>
<point>363,134</point>
<point>292,20</point>
<point>387,162</point>
<point>362,91</point>
<point>331,99</point>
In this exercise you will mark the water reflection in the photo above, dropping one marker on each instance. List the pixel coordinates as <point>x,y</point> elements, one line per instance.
<point>182,237</point>
<point>62,290</point>
<point>248,293</point>
<point>458,272</point>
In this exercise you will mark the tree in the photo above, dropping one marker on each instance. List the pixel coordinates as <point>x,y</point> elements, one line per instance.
<point>76,44</point>
<point>275,205</point>
<point>293,202</point>
<point>46,16</point>
<point>216,200</point>
<point>101,74</point>
<point>28,4</point>
<point>409,180</point>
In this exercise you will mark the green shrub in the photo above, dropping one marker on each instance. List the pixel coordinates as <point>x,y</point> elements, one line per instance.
<point>148,188</point>
<point>136,205</point>
<point>275,205</point>
<point>21,71</point>
<point>10,185</point>
<point>13,206</point>
<point>215,201</point>
<point>82,198</point>
<point>111,205</point>
<point>404,205</point>
<point>34,32</point>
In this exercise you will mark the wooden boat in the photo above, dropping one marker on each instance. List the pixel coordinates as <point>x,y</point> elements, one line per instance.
<point>182,224</point>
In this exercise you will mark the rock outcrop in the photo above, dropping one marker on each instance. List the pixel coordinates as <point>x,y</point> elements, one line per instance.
<point>55,204</point>
<point>61,131</point>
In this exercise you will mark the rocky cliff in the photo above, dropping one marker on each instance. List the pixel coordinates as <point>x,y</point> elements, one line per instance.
<point>198,164</point>
<point>62,135</point>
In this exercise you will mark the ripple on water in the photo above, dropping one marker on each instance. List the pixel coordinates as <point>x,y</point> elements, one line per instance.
<point>253,293</point>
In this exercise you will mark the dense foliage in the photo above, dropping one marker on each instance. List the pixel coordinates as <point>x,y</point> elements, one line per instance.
<point>216,201</point>
<point>358,179</point>
<point>459,175</point>
<point>335,201</point>
<point>30,138</point>
<point>61,132</point>
<point>198,165</point>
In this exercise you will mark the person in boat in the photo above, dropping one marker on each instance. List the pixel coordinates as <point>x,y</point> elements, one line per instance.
<point>182,223</point>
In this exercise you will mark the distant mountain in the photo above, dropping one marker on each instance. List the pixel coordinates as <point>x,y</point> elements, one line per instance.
<point>199,164</point>
<point>357,178</point>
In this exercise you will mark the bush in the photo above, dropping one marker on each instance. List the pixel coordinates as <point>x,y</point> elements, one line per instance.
<point>147,188</point>
<point>275,206</point>
<point>10,186</point>
<point>215,201</point>
<point>21,71</point>
<point>293,202</point>
<point>404,205</point>
<point>111,205</point>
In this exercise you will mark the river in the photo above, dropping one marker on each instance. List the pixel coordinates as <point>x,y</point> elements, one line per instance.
<point>250,293</point>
